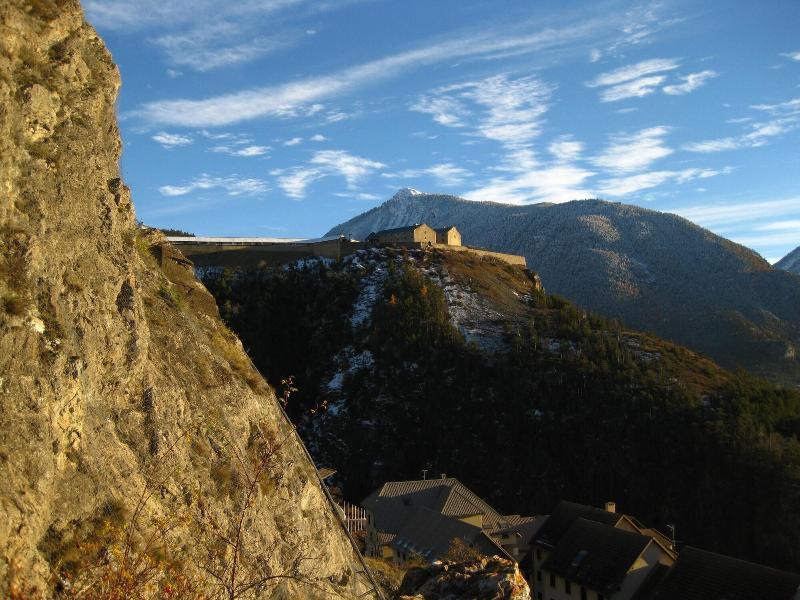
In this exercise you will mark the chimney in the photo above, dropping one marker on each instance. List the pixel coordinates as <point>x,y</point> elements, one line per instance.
<point>444,475</point>
<point>611,507</point>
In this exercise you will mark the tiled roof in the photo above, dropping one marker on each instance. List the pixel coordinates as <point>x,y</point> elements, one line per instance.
<point>445,229</point>
<point>565,514</point>
<point>430,534</point>
<point>596,555</point>
<point>702,575</point>
<point>448,496</point>
<point>399,229</point>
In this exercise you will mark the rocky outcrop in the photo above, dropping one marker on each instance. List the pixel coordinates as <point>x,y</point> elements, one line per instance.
<point>140,451</point>
<point>485,579</point>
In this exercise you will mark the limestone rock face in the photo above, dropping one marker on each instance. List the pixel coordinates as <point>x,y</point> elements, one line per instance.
<point>485,579</point>
<point>139,448</point>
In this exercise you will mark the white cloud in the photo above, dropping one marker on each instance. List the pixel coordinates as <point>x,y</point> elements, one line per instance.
<point>212,45</point>
<point>595,55</point>
<point>294,182</point>
<point>318,138</point>
<point>781,109</point>
<point>509,110</point>
<point>759,135</point>
<point>635,71</point>
<point>446,110</point>
<point>637,88</point>
<point>172,140</point>
<point>232,186</point>
<point>793,224</point>
<point>565,149</point>
<point>727,214</point>
<point>623,186</point>
<point>792,55</point>
<point>632,152</point>
<point>446,174</point>
<point>242,151</point>
<point>293,142</point>
<point>325,163</point>
<point>560,183</point>
<point>689,83</point>
<point>288,99</point>
<point>352,168</point>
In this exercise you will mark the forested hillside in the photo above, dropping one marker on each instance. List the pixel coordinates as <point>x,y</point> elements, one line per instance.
<point>570,406</point>
<point>656,271</point>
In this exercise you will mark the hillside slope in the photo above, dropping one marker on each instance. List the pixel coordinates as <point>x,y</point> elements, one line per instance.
<point>141,454</point>
<point>656,271</point>
<point>459,364</point>
<point>790,262</point>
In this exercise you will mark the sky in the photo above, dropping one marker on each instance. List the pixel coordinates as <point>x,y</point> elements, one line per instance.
<point>282,118</point>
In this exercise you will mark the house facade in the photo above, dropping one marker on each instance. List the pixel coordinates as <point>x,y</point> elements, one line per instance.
<point>420,520</point>
<point>586,553</point>
<point>448,236</point>
<point>419,233</point>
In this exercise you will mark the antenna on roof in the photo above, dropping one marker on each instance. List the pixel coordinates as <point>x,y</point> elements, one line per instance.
<point>672,531</point>
<point>424,474</point>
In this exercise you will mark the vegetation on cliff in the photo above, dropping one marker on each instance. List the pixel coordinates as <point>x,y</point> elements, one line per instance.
<point>577,407</point>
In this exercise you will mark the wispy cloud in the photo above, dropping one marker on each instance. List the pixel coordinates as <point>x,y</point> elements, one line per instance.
<point>293,142</point>
<point>246,151</point>
<point>233,185</point>
<point>633,81</point>
<point>624,186</point>
<point>295,181</point>
<point>632,152</point>
<point>213,45</point>
<point>318,137</point>
<point>324,163</point>
<point>689,83</point>
<point>445,174</point>
<point>792,55</point>
<point>555,183</point>
<point>727,213</point>
<point>287,99</point>
<point>759,135</point>
<point>446,110</point>
<point>172,140</point>
<point>565,148</point>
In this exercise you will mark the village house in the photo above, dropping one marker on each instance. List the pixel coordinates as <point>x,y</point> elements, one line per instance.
<point>702,575</point>
<point>448,236</point>
<point>420,233</point>
<point>421,519</point>
<point>586,553</point>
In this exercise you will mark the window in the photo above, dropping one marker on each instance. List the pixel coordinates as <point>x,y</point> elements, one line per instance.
<point>539,575</point>
<point>553,580</point>
<point>583,593</point>
<point>567,587</point>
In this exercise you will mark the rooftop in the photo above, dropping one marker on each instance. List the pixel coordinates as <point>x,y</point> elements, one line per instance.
<point>565,514</point>
<point>596,555</point>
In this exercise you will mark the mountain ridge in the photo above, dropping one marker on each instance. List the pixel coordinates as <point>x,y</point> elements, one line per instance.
<point>790,262</point>
<point>657,271</point>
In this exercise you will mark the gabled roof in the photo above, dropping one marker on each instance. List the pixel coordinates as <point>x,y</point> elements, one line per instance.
<point>702,575</point>
<point>429,534</point>
<point>399,229</point>
<point>445,229</point>
<point>596,555</point>
<point>564,515</point>
<point>447,496</point>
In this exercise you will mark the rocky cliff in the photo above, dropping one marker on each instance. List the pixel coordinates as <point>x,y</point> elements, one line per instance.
<point>141,454</point>
<point>485,579</point>
<point>656,271</point>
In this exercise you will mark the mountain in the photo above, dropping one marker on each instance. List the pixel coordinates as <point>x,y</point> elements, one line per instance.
<point>136,437</point>
<point>656,271</point>
<point>790,262</point>
<point>446,361</point>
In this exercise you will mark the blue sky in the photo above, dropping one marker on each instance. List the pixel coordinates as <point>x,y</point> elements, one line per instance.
<point>284,117</point>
